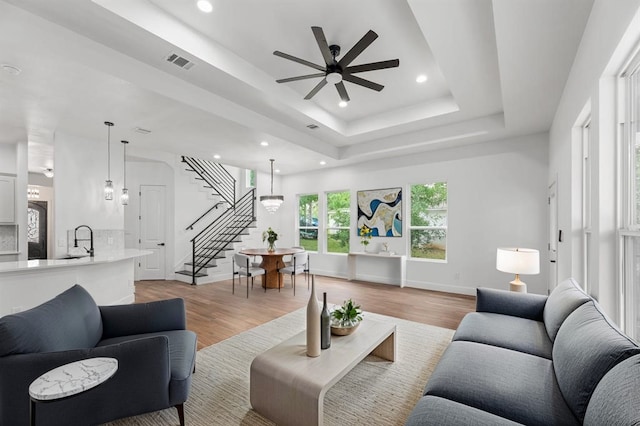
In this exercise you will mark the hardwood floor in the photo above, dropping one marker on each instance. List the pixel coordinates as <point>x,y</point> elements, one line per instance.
<point>215,314</point>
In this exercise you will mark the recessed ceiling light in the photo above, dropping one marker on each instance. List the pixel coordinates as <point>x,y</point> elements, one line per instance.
<point>322,163</point>
<point>343,104</point>
<point>264,143</point>
<point>421,78</point>
<point>277,170</point>
<point>10,69</point>
<point>205,6</point>
<point>216,156</point>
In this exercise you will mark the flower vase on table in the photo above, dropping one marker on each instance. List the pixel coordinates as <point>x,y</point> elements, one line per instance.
<point>365,235</point>
<point>270,236</point>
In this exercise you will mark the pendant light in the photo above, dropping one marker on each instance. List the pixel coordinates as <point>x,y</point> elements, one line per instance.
<point>108,184</point>
<point>124,198</point>
<point>271,202</point>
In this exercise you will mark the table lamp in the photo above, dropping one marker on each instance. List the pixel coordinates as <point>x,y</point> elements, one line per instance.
<point>518,261</point>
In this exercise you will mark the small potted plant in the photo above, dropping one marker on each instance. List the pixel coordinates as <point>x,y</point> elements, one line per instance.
<point>271,237</point>
<point>346,318</point>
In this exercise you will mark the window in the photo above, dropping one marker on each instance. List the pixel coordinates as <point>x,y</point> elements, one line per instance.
<point>428,227</point>
<point>308,221</point>
<point>338,221</point>
<point>586,202</point>
<point>630,189</point>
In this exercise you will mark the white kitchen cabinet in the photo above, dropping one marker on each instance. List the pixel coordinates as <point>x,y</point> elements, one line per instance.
<point>7,199</point>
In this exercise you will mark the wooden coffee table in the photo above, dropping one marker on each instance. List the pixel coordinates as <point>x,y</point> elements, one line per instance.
<point>288,387</point>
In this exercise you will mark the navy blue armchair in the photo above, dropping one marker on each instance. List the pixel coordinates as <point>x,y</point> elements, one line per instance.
<point>155,353</point>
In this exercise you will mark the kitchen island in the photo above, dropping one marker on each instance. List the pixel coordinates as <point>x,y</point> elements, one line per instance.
<point>108,277</point>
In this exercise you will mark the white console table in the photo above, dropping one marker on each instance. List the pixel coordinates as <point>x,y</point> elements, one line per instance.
<point>352,262</point>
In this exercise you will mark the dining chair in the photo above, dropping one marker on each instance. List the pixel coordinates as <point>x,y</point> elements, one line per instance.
<point>306,265</point>
<point>298,266</point>
<point>242,263</point>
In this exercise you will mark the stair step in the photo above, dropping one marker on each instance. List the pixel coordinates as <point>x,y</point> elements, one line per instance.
<point>202,265</point>
<point>218,256</point>
<point>185,272</point>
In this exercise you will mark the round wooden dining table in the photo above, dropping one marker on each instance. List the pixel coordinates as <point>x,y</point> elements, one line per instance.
<point>271,262</point>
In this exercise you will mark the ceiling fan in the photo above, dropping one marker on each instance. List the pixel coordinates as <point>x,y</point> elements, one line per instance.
<point>336,72</point>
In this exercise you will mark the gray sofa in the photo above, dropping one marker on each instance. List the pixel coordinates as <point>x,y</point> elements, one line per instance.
<point>156,358</point>
<point>534,360</point>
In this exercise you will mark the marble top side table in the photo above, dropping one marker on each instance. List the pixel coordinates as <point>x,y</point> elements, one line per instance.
<point>70,379</point>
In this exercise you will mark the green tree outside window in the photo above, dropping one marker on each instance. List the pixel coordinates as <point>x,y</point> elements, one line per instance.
<point>429,216</point>
<point>338,221</point>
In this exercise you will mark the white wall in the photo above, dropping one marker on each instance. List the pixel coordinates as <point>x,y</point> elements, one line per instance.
<point>497,197</point>
<point>8,158</point>
<point>591,80</point>
<point>81,170</point>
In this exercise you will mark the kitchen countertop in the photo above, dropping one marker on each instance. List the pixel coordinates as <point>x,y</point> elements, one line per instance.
<point>100,257</point>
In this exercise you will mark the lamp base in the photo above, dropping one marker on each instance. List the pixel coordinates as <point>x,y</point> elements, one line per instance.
<point>518,286</point>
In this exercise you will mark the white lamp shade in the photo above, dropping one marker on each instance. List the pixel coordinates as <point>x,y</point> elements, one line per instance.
<point>518,261</point>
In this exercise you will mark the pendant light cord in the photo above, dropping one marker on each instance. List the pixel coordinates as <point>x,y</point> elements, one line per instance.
<point>271,176</point>
<point>108,152</point>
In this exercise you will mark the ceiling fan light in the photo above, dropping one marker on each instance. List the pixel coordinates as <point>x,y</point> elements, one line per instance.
<point>334,77</point>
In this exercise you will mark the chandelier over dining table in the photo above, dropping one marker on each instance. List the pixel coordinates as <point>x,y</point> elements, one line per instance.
<point>271,202</point>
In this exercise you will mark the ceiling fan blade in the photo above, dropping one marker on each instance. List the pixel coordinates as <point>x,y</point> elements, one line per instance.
<point>316,89</point>
<point>362,82</point>
<point>342,91</point>
<point>322,44</point>
<point>364,42</point>
<point>373,66</point>
<point>301,77</point>
<point>298,60</point>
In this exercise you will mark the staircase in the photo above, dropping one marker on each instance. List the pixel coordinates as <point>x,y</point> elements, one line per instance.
<point>219,236</point>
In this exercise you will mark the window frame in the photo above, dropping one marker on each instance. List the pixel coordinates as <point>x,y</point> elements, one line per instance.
<point>328,228</point>
<point>310,228</point>
<point>411,227</point>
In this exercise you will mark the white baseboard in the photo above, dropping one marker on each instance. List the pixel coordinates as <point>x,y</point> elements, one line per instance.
<point>446,288</point>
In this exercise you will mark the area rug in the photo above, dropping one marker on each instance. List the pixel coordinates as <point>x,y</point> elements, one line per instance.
<point>375,392</point>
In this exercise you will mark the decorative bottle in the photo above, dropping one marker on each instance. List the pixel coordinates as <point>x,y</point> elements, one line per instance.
<point>325,325</point>
<point>313,322</point>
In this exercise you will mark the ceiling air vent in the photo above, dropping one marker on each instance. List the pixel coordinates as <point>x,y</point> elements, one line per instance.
<point>141,130</point>
<point>178,60</point>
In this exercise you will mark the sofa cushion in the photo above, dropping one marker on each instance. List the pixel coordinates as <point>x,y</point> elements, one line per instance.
<point>523,305</point>
<point>432,410</point>
<point>587,346</point>
<point>70,320</point>
<point>505,331</point>
<point>563,300</point>
<point>182,349</point>
<point>509,384</point>
<point>616,400</point>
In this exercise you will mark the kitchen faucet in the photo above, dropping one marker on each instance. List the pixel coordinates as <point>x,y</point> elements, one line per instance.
<point>76,239</point>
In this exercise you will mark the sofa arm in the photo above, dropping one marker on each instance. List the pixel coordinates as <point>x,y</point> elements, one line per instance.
<point>523,305</point>
<point>141,383</point>
<point>141,318</point>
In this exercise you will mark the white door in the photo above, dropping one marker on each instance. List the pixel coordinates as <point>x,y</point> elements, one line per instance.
<point>152,232</point>
<point>554,236</point>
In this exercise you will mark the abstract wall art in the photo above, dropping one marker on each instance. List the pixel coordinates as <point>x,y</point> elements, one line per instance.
<point>381,210</point>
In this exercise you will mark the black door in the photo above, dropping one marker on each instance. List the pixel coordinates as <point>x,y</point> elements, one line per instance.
<point>37,229</point>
